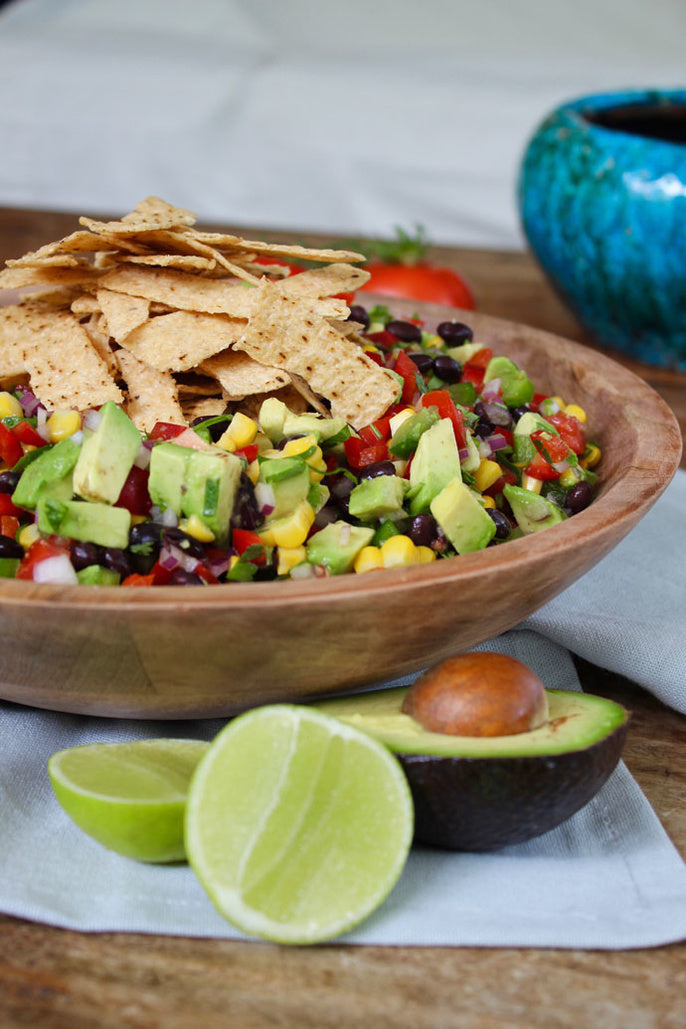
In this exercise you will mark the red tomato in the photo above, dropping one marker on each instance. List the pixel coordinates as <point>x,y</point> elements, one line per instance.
<point>27,435</point>
<point>9,525</point>
<point>571,430</point>
<point>241,539</point>
<point>359,454</point>
<point>10,447</point>
<point>420,281</point>
<point>378,432</point>
<point>7,507</point>
<point>407,369</point>
<point>37,552</point>
<point>166,430</point>
<point>441,399</point>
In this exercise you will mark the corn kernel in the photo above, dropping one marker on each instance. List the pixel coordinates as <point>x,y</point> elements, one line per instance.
<point>397,550</point>
<point>10,406</point>
<point>368,560</point>
<point>195,527</point>
<point>61,424</point>
<point>240,433</point>
<point>592,456</point>
<point>486,474</point>
<point>253,472</point>
<point>369,348</point>
<point>488,501</point>
<point>27,535</point>
<point>289,557</point>
<point>432,341</point>
<point>569,478</point>
<point>576,412</point>
<point>290,531</point>
<point>533,485</point>
<point>303,445</point>
<point>424,555</point>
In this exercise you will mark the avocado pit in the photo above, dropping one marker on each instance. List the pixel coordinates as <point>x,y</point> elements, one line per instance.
<point>478,694</point>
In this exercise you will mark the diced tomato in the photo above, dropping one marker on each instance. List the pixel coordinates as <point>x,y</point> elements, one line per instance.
<point>39,551</point>
<point>7,507</point>
<point>134,495</point>
<point>377,432</point>
<point>206,574</point>
<point>10,447</point>
<point>407,369</point>
<point>481,358</point>
<point>136,579</point>
<point>27,435</point>
<point>535,401</point>
<point>441,399</point>
<point>508,477</point>
<point>359,454</point>
<point>241,539</point>
<point>551,449</point>
<point>9,525</point>
<point>571,430</point>
<point>166,430</point>
<point>376,358</point>
<point>473,373</point>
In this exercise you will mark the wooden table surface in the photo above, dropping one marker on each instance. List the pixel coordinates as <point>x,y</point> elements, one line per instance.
<point>53,978</point>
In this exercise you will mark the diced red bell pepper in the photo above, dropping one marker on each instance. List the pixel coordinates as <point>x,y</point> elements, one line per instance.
<point>359,454</point>
<point>405,367</point>
<point>134,495</point>
<point>571,430</point>
<point>136,579</point>
<point>248,452</point>
<point>7,507</point>
<point>39,551</point>
<point>10,447</point>
<point>241,539</point>
<point>165,431</point>
<point>481,358</point>
<point>377,432</point>
<point>508,477</point>
<point>441,399</point>
<point>535,401</point>
<point>27,435</point>
<point>383,340</point>
<point>9,525</point>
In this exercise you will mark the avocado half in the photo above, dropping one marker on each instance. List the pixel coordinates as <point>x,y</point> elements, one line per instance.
<point>484,793</point>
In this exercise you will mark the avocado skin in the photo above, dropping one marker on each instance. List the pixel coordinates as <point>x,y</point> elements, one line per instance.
<point>484,804</point>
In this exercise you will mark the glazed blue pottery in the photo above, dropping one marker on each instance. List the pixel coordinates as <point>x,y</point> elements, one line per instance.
<point>602,200</point>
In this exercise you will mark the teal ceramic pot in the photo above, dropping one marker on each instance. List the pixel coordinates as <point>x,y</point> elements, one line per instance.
<point>602,200</point>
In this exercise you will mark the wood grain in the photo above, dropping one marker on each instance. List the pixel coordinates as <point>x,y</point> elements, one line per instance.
<point>57,979</point>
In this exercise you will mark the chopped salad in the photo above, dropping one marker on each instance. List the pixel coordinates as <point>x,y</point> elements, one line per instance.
<point>468,455</point>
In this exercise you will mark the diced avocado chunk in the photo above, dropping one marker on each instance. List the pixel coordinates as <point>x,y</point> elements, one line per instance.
<point>532,511</point>
<point>516,386</point>
<point>436,462</point>
<point>459,512</point>
<point>53,465</point>
<point>465,351</point>
<point>80,520</point>
<point>337,545</point>
<point>318,495</point>
<point>97,575</point>
<point>211,484</point>
<point>167,475</point>
<point>289,479</point>
<point>278,422</point>
<point>471,462</point>
<point>377,498</point>
<point>107,456</point>
<point>404,441</point>
<point>8,567</point>
<point>533,422</point>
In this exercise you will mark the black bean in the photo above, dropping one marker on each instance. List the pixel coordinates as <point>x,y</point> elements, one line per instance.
<point>495,414</point>
<point>517,412</point>
<point>406,332</point>
<point>180,577</point>
<point>424,362</point>
<point>578,497</point>
<point>146,534</point>
<point>377,468</point>
<point>447,368</point>
<point>455,333</point>
<point>503,526</point>
<point>359,314</point>
<point>189,544</point>
<point>118,561</point>
<point>340,486</point>
<point>423,530</point>
<point>10,548</point>
<point>84,554</point>
<point>246,513</point>
<point>8,481</point>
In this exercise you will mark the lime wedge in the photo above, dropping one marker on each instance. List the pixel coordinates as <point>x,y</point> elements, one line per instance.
<point>297,825</point>
<point>131,797</point>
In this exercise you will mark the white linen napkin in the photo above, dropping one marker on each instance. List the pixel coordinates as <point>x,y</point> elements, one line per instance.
<point>608,878</point>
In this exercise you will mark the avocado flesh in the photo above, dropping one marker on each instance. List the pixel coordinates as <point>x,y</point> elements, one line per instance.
<point>576,721</point>
<point>483,794</point>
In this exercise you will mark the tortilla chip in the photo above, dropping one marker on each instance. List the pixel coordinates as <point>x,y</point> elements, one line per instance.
<point>202,407</point>
<point>182,340</point>
<point>17,278</point>
<point>98,334</point>
<point>323,282</point>
<point>151,213</point>
<point>123,314</point>
<point>13,332</point>
<point>285,332</point>
<point>65,369</point>
<point>190,384</point>
<point>151,395</point>
<point>239,375</point>
<point>286,251</point>
<point>187,262</point>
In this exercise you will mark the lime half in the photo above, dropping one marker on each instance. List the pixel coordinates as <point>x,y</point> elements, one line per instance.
<point>297,825</point>
<point>131,797</point>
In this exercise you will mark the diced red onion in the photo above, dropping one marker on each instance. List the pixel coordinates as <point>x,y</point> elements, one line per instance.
<point>91,420</point>
<point>464,453</point>
<point>57,570</point>
<point>168,517</point>
<point>172,557</point>
<point>77,437</point>
<point>492,390</point>
<point>264,495</point>
<point>29,401</point>
<point>344,534</point>
<point>142,458</point>
<point>41,423</point>
<point>496,442</point>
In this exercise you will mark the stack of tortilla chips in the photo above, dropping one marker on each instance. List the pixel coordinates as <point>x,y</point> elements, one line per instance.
<point>174,323</point>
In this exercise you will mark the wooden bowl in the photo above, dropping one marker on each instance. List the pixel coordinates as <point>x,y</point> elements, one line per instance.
<point>175,652</point>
